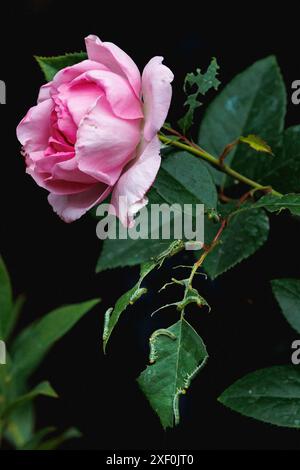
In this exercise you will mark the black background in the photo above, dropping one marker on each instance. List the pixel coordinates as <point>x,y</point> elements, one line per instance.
<point>53,263</point>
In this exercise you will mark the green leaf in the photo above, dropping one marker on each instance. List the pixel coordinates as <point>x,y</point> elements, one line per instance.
<point>5,383</point>
<point>51,65</point>
<point>121,253</point>
<point>129,252</point>
<point>257,143</point>
<point>254,102</point>
<point>203,83</point>
<point>44,388</point>
<point>6,301</point>
<point>52,444</point>
<point>33,343</point>
<point>184,179</point>
<point>271,395</point>
<point>20,425</point>
<point>28,350</point>
<point>177,355</point>
<point>287,293</point>
<point>15,313</point>
<point>282,172</point>
<point>37,438</point>
<point>244,235</point>
<point>274,203</point>
<point>112,315</point>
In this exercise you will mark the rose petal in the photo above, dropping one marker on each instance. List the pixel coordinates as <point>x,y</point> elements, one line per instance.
<point>55,145</point>
<point>56,186</point>
<point>68,170</point>
<point>45,92</point>
<point>135,182</point>
<point>46,164</point>
<point>157,94</point>
<point>115,60</point>
<point>64,121</point>
<point>68,74</point>
<point>105,143</point>
<point>62,166</point>
<point>72,207</point>
<point>118,92</point>
<point>79,97</point>
<point>34,130</point>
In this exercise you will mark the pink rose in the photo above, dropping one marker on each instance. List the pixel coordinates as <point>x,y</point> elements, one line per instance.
<point>94,132</point>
